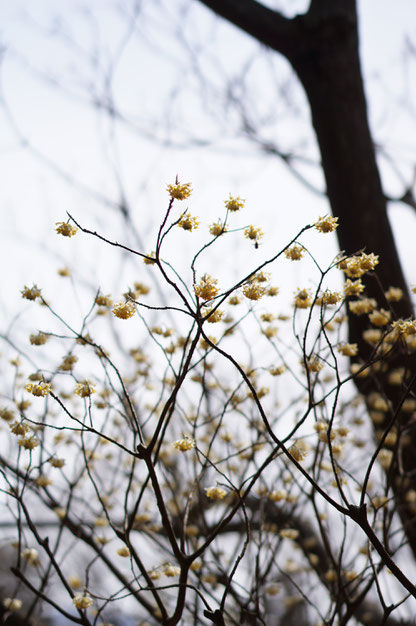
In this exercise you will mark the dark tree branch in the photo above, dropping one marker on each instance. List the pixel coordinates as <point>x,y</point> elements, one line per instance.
<point>267,26</point>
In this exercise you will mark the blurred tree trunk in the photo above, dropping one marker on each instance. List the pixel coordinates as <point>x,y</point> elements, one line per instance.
<point>323,48</point>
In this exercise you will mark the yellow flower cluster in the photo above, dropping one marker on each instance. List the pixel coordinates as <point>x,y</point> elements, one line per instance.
<point>363,306</point>
<point>68,363</point>
<point>254,234</point>
<point>84,389</point>
<point>65,229</point>
<point>12,604</point>
<point>83,601</point>
<point>329,297</point>
<point>405,328</point>
<point>180,191</point>
<point>353,287</point>
<point>123,551</point>
<point>188,222</point>
<point>394,294</point>
<point>326,224</point>
<point>170,570</point>
<point>356,266</point>
<point>6,414</point>
<point>217,228</point>
<point>294,253</point>
<point>57,462</point>
<point>253,290</point>
<point>64,272</point>
<point>289,533</point>
<point>348,349</point>
<point>187,443</point>
<point>380,318</point>
<point>19,428</point>
<point>215,493</point>
<point>31,555</point>
<point>299,451</point>
<point>31,293</point>
<point>278,495</point>
<point>29,443</point>
<point>314,364</point>
<point>39,389</point>
<point>372,335</point>
<point>148,260</point>
<point>124,310</point>
<point>206,288</point>
<point>213,317</point>
<point>39,339</point>
<point>234,204</point>
<point>102,300</point>
<point>303,298</point>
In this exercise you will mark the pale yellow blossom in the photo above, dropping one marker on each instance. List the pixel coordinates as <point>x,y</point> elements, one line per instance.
<point>253,233</point>
<point>326,224</point>
<point>217,228</point>
<point>65,229</point>
<point>31,293</point>
<point>124,310</point>
<point>303,298</point>
<point>188,222</point>
<point>187,443</point>
<point>215,493</point>
<point>348,349</point>
<point>83,601</point>
<point>40,389</point>
<point>253,290</point>
<point>179,191</point>
<point>234,204</point>
<point>84,389</point>
<point>294,253</point>
<point>206,288</point>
